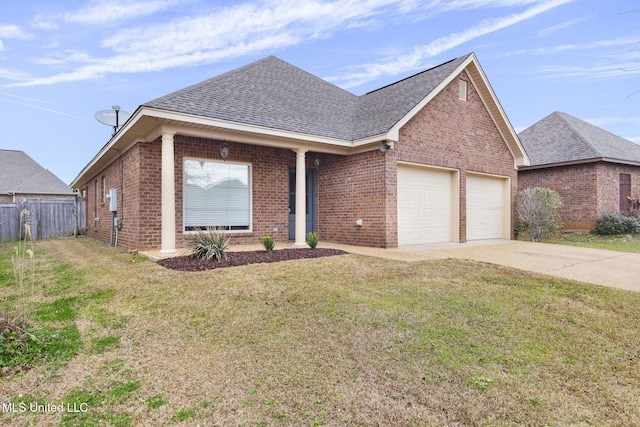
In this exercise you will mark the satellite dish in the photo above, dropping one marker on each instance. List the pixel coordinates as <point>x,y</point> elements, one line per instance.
<point>114,117</point>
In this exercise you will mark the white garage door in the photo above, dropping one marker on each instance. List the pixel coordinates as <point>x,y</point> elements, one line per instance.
<point>485,207</point>
<point>424,205</point>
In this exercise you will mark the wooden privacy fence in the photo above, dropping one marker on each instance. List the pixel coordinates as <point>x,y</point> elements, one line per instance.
<point>47,218</point>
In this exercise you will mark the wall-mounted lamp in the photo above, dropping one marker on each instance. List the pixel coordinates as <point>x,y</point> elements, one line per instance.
<point>224,151</point>
<point>386,145</point>
<point>316,160</point>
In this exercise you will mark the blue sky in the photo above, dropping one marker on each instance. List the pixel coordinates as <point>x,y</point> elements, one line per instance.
<point>60,62</point>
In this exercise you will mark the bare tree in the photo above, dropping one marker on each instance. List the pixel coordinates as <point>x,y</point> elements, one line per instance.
<point>537,210</point>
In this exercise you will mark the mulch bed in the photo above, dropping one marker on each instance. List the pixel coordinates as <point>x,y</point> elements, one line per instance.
<point>191,263</point>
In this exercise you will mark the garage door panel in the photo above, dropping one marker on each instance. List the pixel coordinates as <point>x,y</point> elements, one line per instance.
<point>485,207</point>
<point>424,206</point>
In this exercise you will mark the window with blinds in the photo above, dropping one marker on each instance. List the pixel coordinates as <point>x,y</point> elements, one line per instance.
<point>217,194</point>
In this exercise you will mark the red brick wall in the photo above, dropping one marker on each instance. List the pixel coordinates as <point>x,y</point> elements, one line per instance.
<point>270,185</point>
<point>609,185</point>
<point>577,187</point>
<point>457,134</point>
<point>587,190</point>
<point>123,175</point>
<point>357,187</point>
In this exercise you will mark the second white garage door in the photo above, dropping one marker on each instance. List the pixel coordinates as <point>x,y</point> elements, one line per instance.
<point>424,205</point>
<point>485,207</point>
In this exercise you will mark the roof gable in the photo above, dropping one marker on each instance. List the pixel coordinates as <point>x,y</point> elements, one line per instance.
<point>380,110</point>
<point>561,138</point>
<point>19,173</point>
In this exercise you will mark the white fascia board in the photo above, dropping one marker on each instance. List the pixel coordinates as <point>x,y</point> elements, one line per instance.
<point>109,145</point>
<point>521,158</point>
<point>241,127</point>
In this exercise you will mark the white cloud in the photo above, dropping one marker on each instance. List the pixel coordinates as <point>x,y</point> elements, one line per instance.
<point>216,35</point>
<point>250,28</point>
<point>550,30</point>
<point>99,12</point>
<point>416,59</point>
<point>629,42</point>
<point>8,31</point>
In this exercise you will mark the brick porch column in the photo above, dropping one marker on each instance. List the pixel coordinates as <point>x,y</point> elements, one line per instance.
<point>168,218</point>
<point>301,191</point>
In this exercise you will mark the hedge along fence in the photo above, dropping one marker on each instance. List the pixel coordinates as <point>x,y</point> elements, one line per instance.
<point>49,218</point>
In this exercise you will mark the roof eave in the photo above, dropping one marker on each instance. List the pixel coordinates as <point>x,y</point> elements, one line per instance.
<point>139,128</point>
<point>581,162</point>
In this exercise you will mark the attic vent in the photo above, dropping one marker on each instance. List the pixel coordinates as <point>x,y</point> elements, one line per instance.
<point>462,90</point>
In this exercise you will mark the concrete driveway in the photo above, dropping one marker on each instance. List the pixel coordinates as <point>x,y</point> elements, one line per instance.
<point>596,266</point>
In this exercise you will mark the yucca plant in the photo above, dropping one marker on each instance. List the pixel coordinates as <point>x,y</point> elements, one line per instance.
<point>209,243</point>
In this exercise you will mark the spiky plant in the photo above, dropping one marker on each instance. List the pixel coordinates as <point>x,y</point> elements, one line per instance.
<point>209,243</point>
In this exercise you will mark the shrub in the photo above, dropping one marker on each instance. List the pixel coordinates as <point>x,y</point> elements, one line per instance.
<point>614,223</point>
<point>312,240</point>
<point>209,243</point>
<point>268,243</point>
<point>537,210</point>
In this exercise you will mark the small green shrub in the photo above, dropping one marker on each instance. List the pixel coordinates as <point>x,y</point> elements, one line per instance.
<point>312,240</point>
<point>209,243</point>
<point>268,243</point>
<point>614,223</point>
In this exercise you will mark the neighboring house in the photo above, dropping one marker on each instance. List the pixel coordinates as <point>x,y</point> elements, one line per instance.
<point>592,170</point>
<point>431,158</point>
<point>21,177</point>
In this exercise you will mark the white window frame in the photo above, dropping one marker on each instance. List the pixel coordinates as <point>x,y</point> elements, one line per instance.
<point>184,199</point>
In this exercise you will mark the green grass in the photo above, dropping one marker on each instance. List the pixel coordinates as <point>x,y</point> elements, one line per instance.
<point>623,243</point>
<point>347,340</point>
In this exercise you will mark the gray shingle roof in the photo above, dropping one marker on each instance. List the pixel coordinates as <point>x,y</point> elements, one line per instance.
<point>19,173</point>
<point>275,94</point>
<point>561,138</point>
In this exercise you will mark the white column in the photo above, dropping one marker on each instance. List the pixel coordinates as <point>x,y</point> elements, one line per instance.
<point>301,190</point>
<point>168,201</point>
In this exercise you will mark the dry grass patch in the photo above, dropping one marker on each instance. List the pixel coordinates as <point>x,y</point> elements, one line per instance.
<point>347,340</point>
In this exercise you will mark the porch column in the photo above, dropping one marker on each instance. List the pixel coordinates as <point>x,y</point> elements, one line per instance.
<point>301,190</point>
<point>168,200</point>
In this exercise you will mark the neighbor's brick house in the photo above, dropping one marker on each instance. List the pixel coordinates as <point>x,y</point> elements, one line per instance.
<point>592,170</point>
<point>23,178</point>
<point>429,158</point>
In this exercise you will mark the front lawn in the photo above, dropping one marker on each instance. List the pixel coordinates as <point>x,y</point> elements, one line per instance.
<point>345,340</point>
<point>623,243</point>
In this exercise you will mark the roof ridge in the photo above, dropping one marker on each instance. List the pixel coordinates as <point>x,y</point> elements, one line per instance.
<point>413,75</point>
<point>573,130</point>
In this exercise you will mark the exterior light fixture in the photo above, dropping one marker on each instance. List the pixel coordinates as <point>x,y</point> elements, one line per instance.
<point>386,145</point>
<point>224,151</point>
<point>316,161</point>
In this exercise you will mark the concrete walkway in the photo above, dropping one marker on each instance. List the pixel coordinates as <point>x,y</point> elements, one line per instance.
<point>596,266</point>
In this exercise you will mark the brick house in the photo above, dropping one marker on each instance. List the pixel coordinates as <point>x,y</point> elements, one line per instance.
<point>271,149</point>
<point>592,170</point>
<point>21,177</point>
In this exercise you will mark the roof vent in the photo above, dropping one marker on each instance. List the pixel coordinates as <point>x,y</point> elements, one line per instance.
<point>462,90</point>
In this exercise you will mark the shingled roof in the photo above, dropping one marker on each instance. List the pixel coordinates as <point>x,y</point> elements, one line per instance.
<point>20,174</point>
<point>275,94</point>
<point>560,139</point>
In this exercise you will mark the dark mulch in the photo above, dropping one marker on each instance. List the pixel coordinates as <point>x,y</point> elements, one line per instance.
<point>191,263</point>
